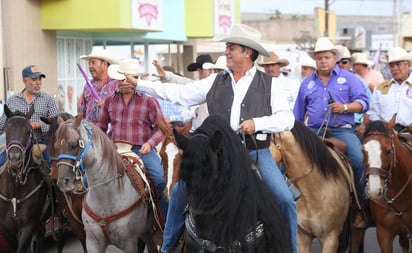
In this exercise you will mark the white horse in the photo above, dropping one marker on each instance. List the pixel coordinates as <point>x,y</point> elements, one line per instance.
<point>117,209</point>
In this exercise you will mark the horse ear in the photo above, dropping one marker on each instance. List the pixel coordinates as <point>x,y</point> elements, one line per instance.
<point>187,127</point>
<point>391,123</point>
<point>216,140</point>
<point>366,119</point>
<point>46,120</point>
<point>7,111</point>
<point>30,113</point>
<point>78,120</point>
<point>181,140</point>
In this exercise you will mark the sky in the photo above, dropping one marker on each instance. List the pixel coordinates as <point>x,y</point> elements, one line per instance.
<point>340,7</point>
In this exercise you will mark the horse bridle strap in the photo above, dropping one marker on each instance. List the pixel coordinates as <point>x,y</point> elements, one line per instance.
<point>236,246</point>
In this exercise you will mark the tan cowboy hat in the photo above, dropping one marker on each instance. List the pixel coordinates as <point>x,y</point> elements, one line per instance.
<point>398,54</point>
<point>308,62</point>
<point>343,52</point>
<point>220,64</point>
<point>361,58</point>
<point>100,53</point>
<point>127,66</point>
<point>274,59</point>
<point>323,44</point>
<point>244,35</point>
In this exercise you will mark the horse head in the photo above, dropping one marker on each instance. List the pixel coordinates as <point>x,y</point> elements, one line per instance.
<point>72,143</point>
<point>18,138</point>
<point>379,155</point>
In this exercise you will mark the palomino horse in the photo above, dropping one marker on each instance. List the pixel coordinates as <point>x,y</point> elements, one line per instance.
<point>70,202</point>
<point>236,211</point>
<point>170,154</point>
<point>114,209</point>
<point>23,185</point>
<point>389,187</point>
<point>323,180</point>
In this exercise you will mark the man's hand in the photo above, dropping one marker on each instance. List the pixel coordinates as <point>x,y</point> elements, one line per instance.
<point>159,68</point>
<point>145,149</point>
<point>248,126</point>
<point>35,125</point>
<point>131,79</point>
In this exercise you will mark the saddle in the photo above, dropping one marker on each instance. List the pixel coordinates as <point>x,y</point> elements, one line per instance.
<point>335,143</point>
<point>406,138</point>
<point>140,179</point>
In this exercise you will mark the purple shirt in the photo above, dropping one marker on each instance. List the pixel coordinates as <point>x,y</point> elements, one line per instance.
<point>89,106</point>
<point>135,123</point>
<point>343,87</point>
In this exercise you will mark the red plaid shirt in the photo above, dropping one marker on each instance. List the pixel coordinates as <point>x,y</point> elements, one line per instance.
<point>135,122</point>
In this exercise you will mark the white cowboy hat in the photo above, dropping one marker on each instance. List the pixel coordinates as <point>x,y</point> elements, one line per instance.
<point>127,66</point>
<point>274,59</point>
<point>343,52</point>
<point>100,53</point>
<point>244,35</point>
<point>308,62</point>
<point>398,54</point>
<point>323,44</point>
<point>361,58</point>
<point>220,63</point>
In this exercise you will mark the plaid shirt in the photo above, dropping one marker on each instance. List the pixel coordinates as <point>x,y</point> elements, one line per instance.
<point>135,123</point>
<point>88,105</point>
<point>44,106</point>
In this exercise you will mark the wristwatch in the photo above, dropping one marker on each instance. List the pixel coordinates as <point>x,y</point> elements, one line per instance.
<point>345,108</point>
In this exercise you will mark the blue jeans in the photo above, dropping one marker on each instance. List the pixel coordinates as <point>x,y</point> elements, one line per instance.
<point>270,174</point>
<point>46,154</point>
<point>155,170</point>
<point>354,153</point>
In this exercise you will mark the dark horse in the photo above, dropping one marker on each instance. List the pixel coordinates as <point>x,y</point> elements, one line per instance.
<point>70,203</point>
<point>230,207</point>
<point>23,185</point>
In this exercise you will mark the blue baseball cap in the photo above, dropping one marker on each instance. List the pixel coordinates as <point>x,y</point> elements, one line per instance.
<point>32,72</point>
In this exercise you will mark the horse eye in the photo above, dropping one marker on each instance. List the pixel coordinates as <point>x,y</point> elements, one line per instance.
<point>74,146</point>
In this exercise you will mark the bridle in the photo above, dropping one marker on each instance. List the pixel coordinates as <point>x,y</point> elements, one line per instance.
<point>24,149</point>
<point>78,165</point>
<point>386,174</point>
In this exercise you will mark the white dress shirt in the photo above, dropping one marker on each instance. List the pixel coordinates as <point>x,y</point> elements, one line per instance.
<point>195,93</point>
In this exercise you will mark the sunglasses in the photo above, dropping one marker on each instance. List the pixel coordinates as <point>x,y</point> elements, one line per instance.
<point>344,62</point>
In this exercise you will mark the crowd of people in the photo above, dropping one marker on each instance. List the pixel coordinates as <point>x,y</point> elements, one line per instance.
<point>334,90</point>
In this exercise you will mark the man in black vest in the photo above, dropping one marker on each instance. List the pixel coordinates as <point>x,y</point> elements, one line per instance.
<point>244,96</point>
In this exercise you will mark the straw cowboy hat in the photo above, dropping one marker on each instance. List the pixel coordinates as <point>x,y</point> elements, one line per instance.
<point>200,60</point>
<point>127,66</point>
<point>220,64</point>
<point>244,35</point>
<point>343,52</point>
<point>274,59</point>
<point>308,62</point>
<point>100,53</point>
<point>323,44</point>
<point>361,58</point>
<point>398,54</point>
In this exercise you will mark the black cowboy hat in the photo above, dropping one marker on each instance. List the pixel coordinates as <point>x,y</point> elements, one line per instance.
<point>199,62</point>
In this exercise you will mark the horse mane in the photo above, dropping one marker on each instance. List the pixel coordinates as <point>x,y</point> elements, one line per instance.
<point>54,123</point>
<point>99,138</point>
<point>226,196</point>
<point>316,150</point>
<point>377,126</point>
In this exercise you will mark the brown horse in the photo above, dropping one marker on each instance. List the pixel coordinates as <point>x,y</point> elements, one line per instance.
<point>389,187</point>
<point>323,179</point>
<point>70,202</point>
<point>169,152</point>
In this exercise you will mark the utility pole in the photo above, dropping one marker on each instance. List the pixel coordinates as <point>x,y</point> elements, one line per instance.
<point>326,33</point>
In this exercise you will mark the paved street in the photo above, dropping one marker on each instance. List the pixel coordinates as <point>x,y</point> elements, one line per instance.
<point>371,245</point>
